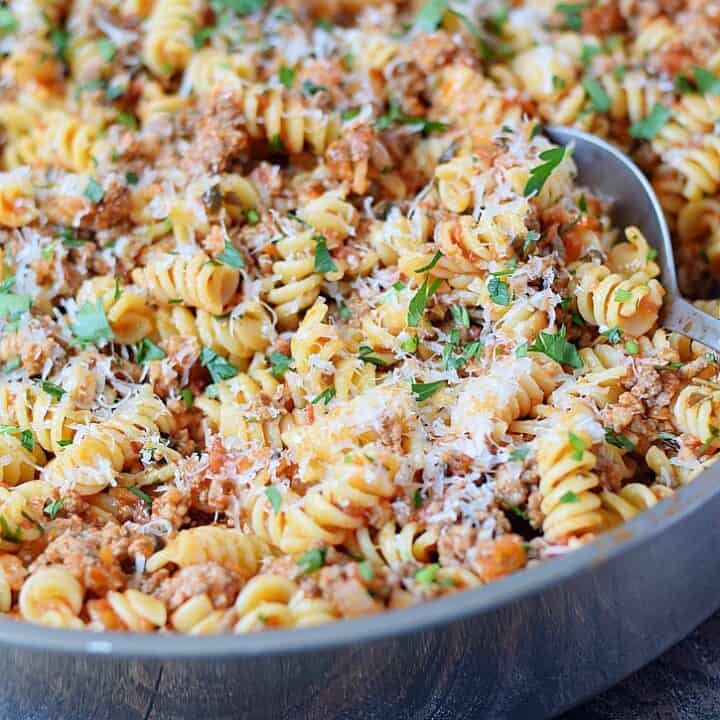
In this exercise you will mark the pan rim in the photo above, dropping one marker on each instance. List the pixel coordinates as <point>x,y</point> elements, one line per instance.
<point>476,602</point>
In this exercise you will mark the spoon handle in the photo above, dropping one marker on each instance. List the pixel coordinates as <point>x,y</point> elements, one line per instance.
<point>683,317</point>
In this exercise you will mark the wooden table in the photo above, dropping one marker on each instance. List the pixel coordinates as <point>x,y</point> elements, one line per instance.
<point>683,684</point>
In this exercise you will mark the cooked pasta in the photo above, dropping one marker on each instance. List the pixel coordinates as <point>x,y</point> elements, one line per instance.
<point>302,316</point>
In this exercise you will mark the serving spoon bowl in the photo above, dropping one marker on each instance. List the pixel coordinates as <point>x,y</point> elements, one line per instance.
<point>609,172</point>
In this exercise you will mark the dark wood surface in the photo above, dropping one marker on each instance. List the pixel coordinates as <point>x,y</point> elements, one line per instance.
<point>683,684</point>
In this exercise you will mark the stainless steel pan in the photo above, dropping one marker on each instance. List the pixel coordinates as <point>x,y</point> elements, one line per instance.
<point>526,647</point>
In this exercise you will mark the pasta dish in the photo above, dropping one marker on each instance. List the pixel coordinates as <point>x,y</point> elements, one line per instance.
<point>302,317</point>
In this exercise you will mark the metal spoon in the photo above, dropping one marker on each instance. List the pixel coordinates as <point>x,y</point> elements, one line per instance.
<point>607,171</point>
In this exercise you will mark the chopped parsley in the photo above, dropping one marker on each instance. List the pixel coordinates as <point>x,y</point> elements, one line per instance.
<point>622,296</point>
<point>311,561</point>
<point>435,259</point>
<point>417,498</point>
<point>430,16</point>
<point>707,82</point>
<point>557,348</point>
<point>366,571</point>
<point>53,508</point>
<point>350,114</point>
<point>367,354</point>
<point>279,364</point>
<point>614,335</point>
<point>231,256</point>
<point>422,391</point>
<point>460,315</point>
<point>310,88</point>
<point>51,389</point>
<point>573,15</point>
<point>325,396</point>
<point>419,301</point>
<point>187,398</point>
<point>91,324</point>
<point>599,99</point>
<point>531,238</point>
<point>142,495</point>
<point>94,191</point>
<point>713,434</point>
<point>631,347</point>
<point>577,445</point>
<point>148,351</point>
<point>427,575</point>
<point>323,260</point>
<point>395,116</point>
<point>286,76</point>
<point>106,48</point>
<point>273,495</point>
<point>519,453</point>
<point>618,440</point>
<point>648,128</point>
<point>499,291</point>
<point>569,497</point>
<point>218,367</point>
<point>539,174</point>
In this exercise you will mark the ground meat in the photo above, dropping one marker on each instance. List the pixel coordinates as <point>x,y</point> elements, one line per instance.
<point>173,505</point>
<point>602,19</point>
<point>352,157</point>
<point>220,136</point>
<point>513,481</point>
<point>98,558</point>
<point>219,583</point>
<point>343,587</point>
<point>113,211</point>
<point>173,371</point>
<point>619,416</point>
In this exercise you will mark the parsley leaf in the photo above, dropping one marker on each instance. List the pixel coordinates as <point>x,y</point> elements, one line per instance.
<point>648,128</point>
<point>8,23</point>
<point>532,237</point>
<point>499,291</point>
<point>91,323</point>
<point>707,82</point>
<point>366,353</point>
<point>419,301</point>
<point>310,88</point>
<point>430,16</point>
<point>577,445</point>
<point>94,191</point>
<point>618,440</point>
<point>273,495</point>
<point>569,497</point>
<point>323,260</point>
<point>366,571</point>
<point>311,561</point>
<point>187,398</point>
<point>279,364</point>
<point>435,258</point>
<point>557,348</point>
<point>106,48</point>
<point>422,391</point>
<point>231,256</point>
<point>51,389</point>
<point>519,453</point>
<point>599,99</point>
<point>241,7</point>
<point>147,350</point>
<point>417,498</point>
<point>142,495</point>
<point>622,296</point>
<point>325,396</point>
<point>614,335</point>
<point>427,575</point>
<point>573,15</point>
<point>460,315</point>
<point>218,367</point>
<point>53,508</point>
<point>539,174</point>
<point>713,434</point>
<point>395,115</point>
<point>286,76</point>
